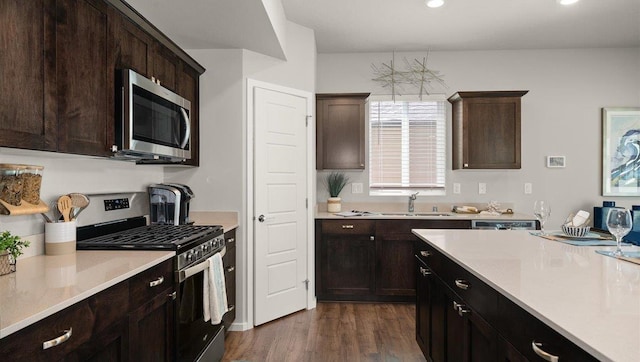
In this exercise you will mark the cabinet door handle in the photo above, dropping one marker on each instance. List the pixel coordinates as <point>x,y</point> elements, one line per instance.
<point>463,310</point>
<point>347,226</point>
<point>425,253</point>
<point>462,284</point>
<point>56,341</point>
<point>230,269</point>
<point>231,240</point>
<point>156,282</point>
<point>172,296</point>
<point>456,306</point>
<point>540,352</point>
<point>425,271</point>
<point>231,307</point>
<point>372,238</point>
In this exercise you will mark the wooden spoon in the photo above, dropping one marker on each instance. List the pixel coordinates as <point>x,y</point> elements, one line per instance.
<point>78,202</point>
<point>64,205</point>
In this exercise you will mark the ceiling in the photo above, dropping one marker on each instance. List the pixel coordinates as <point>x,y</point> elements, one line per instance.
<point>401,25</point>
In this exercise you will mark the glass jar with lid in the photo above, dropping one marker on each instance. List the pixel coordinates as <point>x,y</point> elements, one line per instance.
<point>11,183</point>
<point>31,182</point>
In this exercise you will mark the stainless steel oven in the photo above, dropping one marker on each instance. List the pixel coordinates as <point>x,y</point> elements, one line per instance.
<point>119,221</point>
<point>198,340</point>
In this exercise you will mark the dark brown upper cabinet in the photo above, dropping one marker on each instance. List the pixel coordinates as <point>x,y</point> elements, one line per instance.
<point>188,86</point>
<point>486,129</point>
<point>27,66</point>
<point>84,79</point>
<point>57,66</point>
<point>340,127</point>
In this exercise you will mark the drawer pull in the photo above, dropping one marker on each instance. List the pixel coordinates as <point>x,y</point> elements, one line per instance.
<point>231,240</point>
<point>230,269</point>
<point>156,282</point>
<point>462,284</point>
<point>347,226</point>
<point>231,307</point>
<point>546,356</point>
<point>56,341</point>
<point>425,271</point>
<point>425,253</point>
<point>172,296</point>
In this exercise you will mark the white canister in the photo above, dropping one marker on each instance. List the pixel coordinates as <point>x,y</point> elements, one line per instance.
<point>60,238</point>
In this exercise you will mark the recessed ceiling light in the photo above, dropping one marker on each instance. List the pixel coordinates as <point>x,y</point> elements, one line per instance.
<point>567,2</point>
<point>434,3</point>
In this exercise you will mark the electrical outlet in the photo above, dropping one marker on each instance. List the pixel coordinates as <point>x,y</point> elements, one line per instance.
<point>528,188</point>
<point>356,188</point>
<point>482,188</point>
<point>456,188</point>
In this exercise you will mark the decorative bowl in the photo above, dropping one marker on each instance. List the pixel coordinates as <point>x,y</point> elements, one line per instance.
<point>575,231</point>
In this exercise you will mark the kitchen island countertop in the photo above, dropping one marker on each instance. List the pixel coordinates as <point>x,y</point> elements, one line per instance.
<point>43,285</point>
<point>591,299</point>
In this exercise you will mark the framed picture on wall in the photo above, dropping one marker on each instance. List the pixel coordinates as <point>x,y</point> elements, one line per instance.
<point>621,151</point>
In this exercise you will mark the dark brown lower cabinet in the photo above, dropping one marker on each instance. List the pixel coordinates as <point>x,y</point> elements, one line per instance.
<point>130,321</point>
<point>93,329</point>
<point>345,268</point>
<point>229,264</point>
<point>147,324</point>
<point>460,318</point>
<point>368,259</point>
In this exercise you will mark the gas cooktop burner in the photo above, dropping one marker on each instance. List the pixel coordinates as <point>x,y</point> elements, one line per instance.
<point>171,237</point>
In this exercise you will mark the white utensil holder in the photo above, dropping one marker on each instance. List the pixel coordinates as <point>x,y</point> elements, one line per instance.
<point>60,238</point>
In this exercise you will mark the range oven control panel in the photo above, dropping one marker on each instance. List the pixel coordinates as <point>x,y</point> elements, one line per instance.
<point>116,204</point>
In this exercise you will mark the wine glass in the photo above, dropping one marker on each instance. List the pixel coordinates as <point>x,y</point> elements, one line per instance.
<point>619,224</point>
<point>542,211</point>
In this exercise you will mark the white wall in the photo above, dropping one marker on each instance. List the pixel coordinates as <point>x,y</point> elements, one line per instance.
<point>220,183</point>
<point>65,173</point>
<point>560,116</point>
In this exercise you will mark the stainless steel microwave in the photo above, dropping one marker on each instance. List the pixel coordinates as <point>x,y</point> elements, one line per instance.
<point>152,122</point>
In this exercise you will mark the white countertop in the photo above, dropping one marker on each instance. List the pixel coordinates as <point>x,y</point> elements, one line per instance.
<point>228,219</point>
<point>591,299</point>
<point>424,215</point>
<point>43,285</point>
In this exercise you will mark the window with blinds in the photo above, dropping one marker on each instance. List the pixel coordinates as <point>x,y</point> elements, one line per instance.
<point>407,147</point>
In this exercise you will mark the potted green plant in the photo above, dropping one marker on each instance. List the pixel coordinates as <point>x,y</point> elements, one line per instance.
<point>10,248</point>
<point>335,182</point>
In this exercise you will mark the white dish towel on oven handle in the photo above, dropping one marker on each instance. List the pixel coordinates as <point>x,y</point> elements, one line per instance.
<point>214,293</point>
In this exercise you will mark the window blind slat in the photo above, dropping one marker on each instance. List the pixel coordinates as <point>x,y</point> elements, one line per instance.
<point>407,145</point>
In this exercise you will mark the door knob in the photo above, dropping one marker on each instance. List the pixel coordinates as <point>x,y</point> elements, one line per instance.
<point>261,218</point>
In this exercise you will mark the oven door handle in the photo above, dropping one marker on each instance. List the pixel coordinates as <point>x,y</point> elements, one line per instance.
<point>184,274</point>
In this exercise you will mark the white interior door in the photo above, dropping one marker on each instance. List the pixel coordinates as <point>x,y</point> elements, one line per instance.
<point>280,189</point>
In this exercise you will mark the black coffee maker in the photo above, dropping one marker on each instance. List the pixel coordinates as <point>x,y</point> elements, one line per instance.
<point>169,203</point>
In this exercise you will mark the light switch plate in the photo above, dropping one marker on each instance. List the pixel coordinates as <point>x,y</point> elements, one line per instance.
<point>456,188</point>
<point>482,188</point>
<point>356,188</point>
<point>528,188</point>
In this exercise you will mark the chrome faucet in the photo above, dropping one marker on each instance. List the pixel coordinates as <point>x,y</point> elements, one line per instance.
<point>412,198</point>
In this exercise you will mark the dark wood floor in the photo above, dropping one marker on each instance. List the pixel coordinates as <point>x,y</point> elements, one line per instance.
<point>331,332</point>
